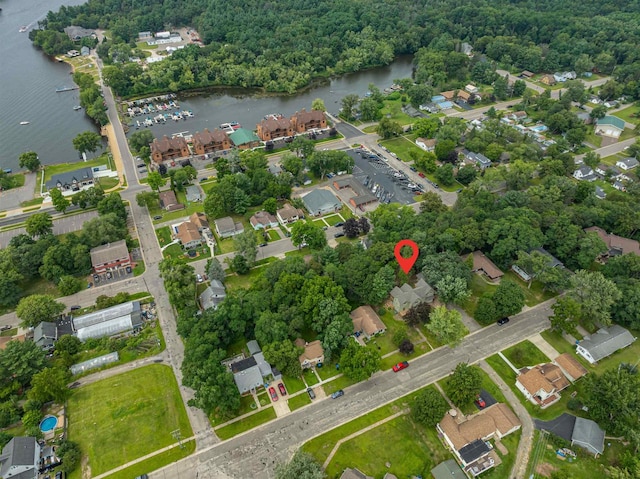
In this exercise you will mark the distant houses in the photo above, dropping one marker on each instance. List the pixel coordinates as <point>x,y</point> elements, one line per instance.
<point>617,245</point>
<point>263,220</point>
<point>277,126</point>
<point>168,149</point>
<point>206,141</point>
<point>169,201</point>
<point>483,265</point>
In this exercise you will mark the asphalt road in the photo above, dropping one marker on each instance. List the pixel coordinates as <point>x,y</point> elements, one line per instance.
<point>255,454</point>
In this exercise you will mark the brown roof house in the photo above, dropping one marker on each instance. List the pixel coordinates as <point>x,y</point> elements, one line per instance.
<point>427,144</point>
<point>200,220</point>
<point>169,202</point>
<point>263,220</point>
<point>288,214</point>
<point>468,436</point>
<point>313,353</point>
<point>406,296</point>
<point>210,141</point>
<point>548,80</point>
<point>366,321</point>
<point>274,127</point>
<point>542,384</point>
<point>570,366</point>
<point>483,265</point>
<point>617,245</point>
<point>188,235</point>
<point>303,120</point>
<point>169,149</point>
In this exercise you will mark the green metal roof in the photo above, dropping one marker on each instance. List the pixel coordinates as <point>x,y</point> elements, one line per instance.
<point>242,136</point>
<point>612,120</point>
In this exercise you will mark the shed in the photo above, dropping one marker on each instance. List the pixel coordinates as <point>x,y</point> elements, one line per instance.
<point>448,469</point>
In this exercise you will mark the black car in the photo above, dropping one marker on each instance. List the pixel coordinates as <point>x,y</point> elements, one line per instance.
<point>338,235</point>
<point>337,225</point>
<point>502,321</point>
<point>128,269</point>
<point>337,394</point>
<point>311,394</point>
<point>262,244</point>
<point>74,308</point>
<point>157,217</point>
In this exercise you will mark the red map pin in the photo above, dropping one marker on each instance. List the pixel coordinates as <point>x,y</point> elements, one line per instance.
<point>406,263</point>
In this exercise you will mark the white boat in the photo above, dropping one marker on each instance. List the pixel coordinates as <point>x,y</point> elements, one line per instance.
<point>23,28</point>
<point>24,122</point>
<point>77,107</point>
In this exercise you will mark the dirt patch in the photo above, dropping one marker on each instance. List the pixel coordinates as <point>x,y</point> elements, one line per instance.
<point>86,468</point>
<point>545,469</point>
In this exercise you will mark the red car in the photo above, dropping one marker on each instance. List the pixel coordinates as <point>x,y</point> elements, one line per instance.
<point>273,393</point>
<point>421,174</point>
<point>282,389</point>
<point>480,402</point>
<point>400,366</point>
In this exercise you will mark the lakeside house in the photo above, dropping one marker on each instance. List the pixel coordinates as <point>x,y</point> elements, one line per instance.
<point>71,181</point>
<point>206,141</point>
<point>167,149</point>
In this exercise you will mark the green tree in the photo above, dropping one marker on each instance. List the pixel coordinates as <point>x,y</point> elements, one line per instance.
<point>508,298</point>
<point>446,325</point>
<point>29,160</point>
<point>39,224</point>
<point>466,174</point>
<point>359,363</point>
<point>285,356</point>
<point>303,147</point>
<point>247,246</point>
<point>566,314</point>
<point>318,105</point>
<point>429,407</point>
<point>10,278</point>
<point>426,127</point>
<point>87,141</point>
<point>301,466</point>
<point>60,203</point>
<point>270,205</point>
<point>215,270</point>
<point>69,344</point>
<point>418,314</point>
<point>34,309</point>
<point>70,455</point>
<point>147,199</point>
<point>595,294</point>
<point>444,148</point>
<point>303,232</point>
<point>349,103</point>
<point>112,204</point>
<point>68,285</point>
<point>155,180</point>
<point>178,282</point>
<point>486,312</point>
<point>50,384</point>
<point>388,128</point>
<point>464,384</point>
<point>444,174</point>
<point>19,361</point>
<point>369,110</point>
<point>140,139</point>
<point>452,290</point>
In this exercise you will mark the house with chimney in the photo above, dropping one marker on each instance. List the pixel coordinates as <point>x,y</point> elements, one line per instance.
<point>210,141</point>
<point>169,149</point>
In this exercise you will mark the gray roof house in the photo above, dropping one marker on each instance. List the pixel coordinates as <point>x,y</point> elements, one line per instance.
<point>253,347</point>
<point>226,227</point>
<point>45,334</point>
<point>627,163</point>
<point>584,173</point>
<point>194,193</point>
<point>263,365</point>
<point>320,202</point>
<point>478,159</point>
<point>405,296</point>
<point>76,33</point>
<point>600,193</point>
<point>71,180</point>
<point>588,435</point>
<point>604,342</point>
<point>246,374</point>
<point>213,295</point>
<point>108,322</point>
<point>448,469</point>
<point>20,458</point>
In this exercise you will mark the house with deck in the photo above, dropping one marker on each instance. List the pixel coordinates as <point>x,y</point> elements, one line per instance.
<point>210,141</point>
<point>168,149</point>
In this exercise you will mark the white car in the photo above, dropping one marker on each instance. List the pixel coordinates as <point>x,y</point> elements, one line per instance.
<point>199,278</point>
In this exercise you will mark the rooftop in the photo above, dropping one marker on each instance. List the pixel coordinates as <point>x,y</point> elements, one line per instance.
<point>611,121</point>
<point>109,252</point>
<point>607,341</point>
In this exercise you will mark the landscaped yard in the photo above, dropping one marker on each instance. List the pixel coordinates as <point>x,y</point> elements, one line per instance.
<point>629,114</point>
<point>51,170</point>
<point>532,296</point>
<point>487,384</point>
<point>401,146</point>
<point>333,219</point>
<point>525,354</point>
<point>124,417</point>
<point>298,401</point>
<point>478,287</point>
<point>233,429</point>
<point>384,342</point>
<point>164,235</point>
<point>235,281</point>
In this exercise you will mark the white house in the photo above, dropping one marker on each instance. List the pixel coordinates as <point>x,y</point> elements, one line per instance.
<point>627,163</point>
<point>604,342</point>
<point>471,89</point>
<point>584,173</point>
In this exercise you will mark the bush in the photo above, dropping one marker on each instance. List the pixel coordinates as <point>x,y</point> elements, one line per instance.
<point>400,336</point>
<point>406,347</point>
<point>70,285</point>
<point>429,407</point>
<point>574,405</point>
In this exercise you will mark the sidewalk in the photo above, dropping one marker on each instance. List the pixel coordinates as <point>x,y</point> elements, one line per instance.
<point>544,346</point>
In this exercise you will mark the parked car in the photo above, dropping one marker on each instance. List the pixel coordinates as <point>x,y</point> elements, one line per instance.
<point>108,274</point>
<point>480,402</point>
<point>59,475</point>
<point>282,389</point>
<point>273,394</point>
<point>338,235</point>
<point>412,168</point>
<point>311,394</point>
<point>262,245</point>
<point>337,225</point>
<point>337,394</point>
<point>6,327</point>
<point>421,174</point>
<point>400,366</point>
<point>502,321</point>
<point>199,278</point>
<point>75,307</point>
<point>128,269</point>
<point>157,217</point>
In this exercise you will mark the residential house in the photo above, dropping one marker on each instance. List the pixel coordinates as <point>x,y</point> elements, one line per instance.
<point>20,458</point>
<point>448,469</point>
<point>213,295</point>
<point>471,89</point>
<point>406,296</point>
<point>193,193</point>
<point>200,220</point>
<point>478,159</point>
<point>210,141</point>
<point>274,127</point>
<point>313,353</point>
<point>76,33</point>
<point>542,384</point>
<point>117,320</point>
<point>518,115</point>
<point>188,234</point>
<point>253,347</point>
<point>85,51</point>
<point>449,95</point>
<point>607,171</point>
<point>467,49</point>
<point>110,256</point>
<point>275,170</point>
<point>445,105</point>
<point>465,96</point>
<point>244,139</point>
<point>427,144</point>
<point>584,117</point>
<point>247,375</point>
<point>468,436</point>
<point>263,220</point>
<point>288,214</point>
<point>526,275</point>
<point>352,473</point>
<point>169,201</point>
<point>548,80</point>
<point>588,436</point>
<point>617,245</point>
<point>483,265</point>
<point>618,185</point>
<point>361,195</point>
<point>71,181</point>
<point>367,322</point>
<point>308,120</point>
<point>604,342</point>
<point>610,126</point>
<point>600,193</point>
<point>526,74</point>
<point>45,334</point>
<point>627,164</point>
<point>437,99</point>
<point>570,367</point>
<point>226,227</point>
<point>320,201</point>
<point>167,149</point>
<point>584,173</point>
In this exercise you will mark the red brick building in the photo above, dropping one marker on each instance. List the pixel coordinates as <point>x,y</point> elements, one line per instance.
<point>274,127</point>
<point>308,120</point>
<point>168,149</point>
<point>110,256</point>
<point>210,141</point>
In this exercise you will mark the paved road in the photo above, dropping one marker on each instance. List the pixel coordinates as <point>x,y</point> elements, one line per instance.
<point>256,453</point>
<point>610,149</point>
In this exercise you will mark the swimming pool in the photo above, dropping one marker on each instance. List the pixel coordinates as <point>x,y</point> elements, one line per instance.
<point>49,423</point>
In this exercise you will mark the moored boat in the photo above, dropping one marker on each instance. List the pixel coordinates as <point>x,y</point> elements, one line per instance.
<point>24,122</point>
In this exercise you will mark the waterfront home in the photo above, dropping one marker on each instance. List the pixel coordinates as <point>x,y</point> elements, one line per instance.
<point>274,127</point>
<point>210,141</point>
<point>244,139</point>
<point>71,181</point>
<point>168,149</point>
<point>308,120</point>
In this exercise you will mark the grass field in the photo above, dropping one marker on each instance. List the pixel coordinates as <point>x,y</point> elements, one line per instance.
<point>155,462</point>
<point>122,418</point>
<point>298,401</point>
<point>51,170</point>
<point>629,114</point>
<point>233,429</point>
<point>525,354</point>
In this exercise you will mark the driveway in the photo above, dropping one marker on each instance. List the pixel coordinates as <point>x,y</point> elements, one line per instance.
<point>11,199</point>
<point>561,426</point>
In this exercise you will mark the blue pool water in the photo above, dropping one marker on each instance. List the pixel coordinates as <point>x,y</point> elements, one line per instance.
<point>48,423</point>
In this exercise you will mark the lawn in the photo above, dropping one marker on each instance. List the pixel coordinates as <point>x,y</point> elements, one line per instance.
<point>139,268</point>
<point>50,170</point>
<point>384,342</point>
<point>338,383</point>
<point>487,384</point>
<point>394,108</point>
<point>478,287</point>
<point>401,146</point>
<point>156,462</point>
<point>106,183</point>
<point>310,377</point>
<point>503,471</point>
<point>333,219</point>
<point>389,361</point>
<point>9,332</point>
<point>328,370</point>
<point>233,429</point>
<point>224,246</point>
<point>237,281</point>
<point>629,114</point>
<point>124,417</point>
<point>273,235</point>
<point>525,354</point>
<point>298,401</point>
<point>410,449</point>
<point>176,251</point>
<point>164,235</point>
<point>535,294</point>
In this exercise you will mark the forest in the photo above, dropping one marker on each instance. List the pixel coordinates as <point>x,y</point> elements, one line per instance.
<point>264,45</point>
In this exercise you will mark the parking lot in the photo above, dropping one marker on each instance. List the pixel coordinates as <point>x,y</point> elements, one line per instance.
<point>112,276</point>
<point>388,184</point>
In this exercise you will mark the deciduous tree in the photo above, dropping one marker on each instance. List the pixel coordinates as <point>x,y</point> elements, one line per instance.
<point>508,298</point>
<point>301,466</point>
<point>429,407</point>
<point>307,232</point>
<point>452,290</point>
<point>595,294</point>
<point>60,203</point>
<point>446,325</point>
<point>215,270</point>
<point>87,141</point>
<point>247,246</point>
<point>50,384</point>
<point>566,314</point>
<point>463,384</point>
<point>29,160</point>
<point>147,199</point>
<point>34,309</point>
<point>359,363</point>
<point>155,180</point>
<point>285,356</point>
<point>39,224</point>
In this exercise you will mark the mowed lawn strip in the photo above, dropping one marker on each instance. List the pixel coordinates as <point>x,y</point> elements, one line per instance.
<point>127,416</point>
<point>525,354</point>
<point>249,422</point>
<point>155,462</point>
